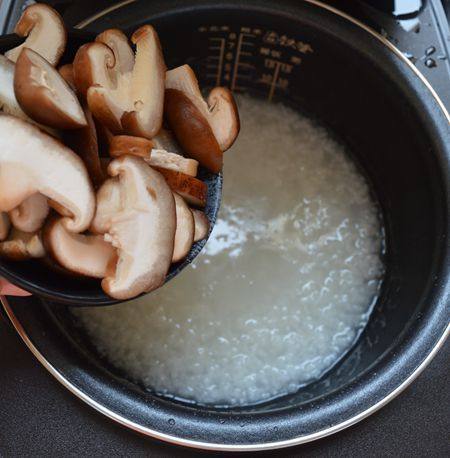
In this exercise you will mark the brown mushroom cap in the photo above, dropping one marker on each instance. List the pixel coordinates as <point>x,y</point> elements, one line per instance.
<point>126,98</point>
<point>192,130</point>
<point>126,144</point>
<point>184,235</point>
<point>172,161</point>
<point>143,230</point>
<point>44,95</point>
<point>32,161</point>
<point>201,225</point>
<point>45,32</point>
<point>4,226</point>
<point>30,215</point>
<point>87,255</point>
<point>108,204</point>
<point>192,190</point>
<point>22,245</point>
<point>220,110</point>
<point>8,101</point>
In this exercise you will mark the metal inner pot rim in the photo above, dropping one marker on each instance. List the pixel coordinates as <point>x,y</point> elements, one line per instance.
<point>268,445</point>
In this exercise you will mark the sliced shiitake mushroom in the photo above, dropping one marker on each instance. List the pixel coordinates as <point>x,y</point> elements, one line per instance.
<point>32,161</point>
<point>220,110</point>
<point>126,144</point>
<point>172,161</point>
<point>108,204</point>
<point>45,32</point>
<point>143,230</point>
<point>22,245</point>
<point>184,235</point>
<point>44,95</point>
<point>192,130</point>
<point>117,41</point>
<point>201,223</point>
<point>5,224</point>
<point>30,215</point>
<point>142,147</point>
<point>8,101</point>
<point>192,190</point>
<point>186,111</point>
<point>87,255</point>
<point>126,99</point>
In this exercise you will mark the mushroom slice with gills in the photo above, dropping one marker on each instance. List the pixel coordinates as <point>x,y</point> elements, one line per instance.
<point>87,255</point>
<point>84,142</point>
<point>201,223</point>
<point>126,101</point>
<point>220,110</point>
<point>193,190</point>
<point>44,95</point>
<point>126,144</point>
<point>184,235</point>
<point>22,245</point>
<point>108,204</point>
<point>143,230</point>
<point>32,161</point>
<point>166,140</point>
<point>45,32</point>
<point>30,215</point>
<point>5,225</point>
<point>192,130</point>
<point>172,161</point>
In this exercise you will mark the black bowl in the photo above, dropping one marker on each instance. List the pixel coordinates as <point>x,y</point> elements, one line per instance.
<point>57,285</point>
<point>367,92</point>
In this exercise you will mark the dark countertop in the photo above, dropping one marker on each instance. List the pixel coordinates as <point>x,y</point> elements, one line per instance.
<point>39,418</point>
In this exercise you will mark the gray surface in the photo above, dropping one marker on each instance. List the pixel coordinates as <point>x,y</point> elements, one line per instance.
<point>39,418</point>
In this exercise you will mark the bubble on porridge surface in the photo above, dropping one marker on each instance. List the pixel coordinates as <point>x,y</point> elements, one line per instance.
<point>283,286</point>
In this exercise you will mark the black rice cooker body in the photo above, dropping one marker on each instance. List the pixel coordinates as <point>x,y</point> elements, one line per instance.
<point>398,133</point>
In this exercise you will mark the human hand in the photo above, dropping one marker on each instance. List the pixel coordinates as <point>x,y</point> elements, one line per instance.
<point>8,289</point>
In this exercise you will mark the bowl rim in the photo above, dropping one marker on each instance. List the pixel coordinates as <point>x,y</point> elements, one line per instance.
<point>175,440</point>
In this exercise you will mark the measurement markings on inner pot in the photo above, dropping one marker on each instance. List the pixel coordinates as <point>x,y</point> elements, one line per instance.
<point>219,65</point>
<point>252,55</point>
<point>239,54</point>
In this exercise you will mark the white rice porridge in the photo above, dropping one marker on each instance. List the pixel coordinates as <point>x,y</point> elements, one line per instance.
<point>282,289</point>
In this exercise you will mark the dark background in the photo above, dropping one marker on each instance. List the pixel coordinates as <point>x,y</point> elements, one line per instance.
<point>39,418</point>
